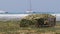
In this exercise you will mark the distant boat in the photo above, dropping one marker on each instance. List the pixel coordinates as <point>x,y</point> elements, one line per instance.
<point>6,12</point>
<point>29,11</point>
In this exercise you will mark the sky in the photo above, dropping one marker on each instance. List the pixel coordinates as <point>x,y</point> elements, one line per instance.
<point>21,6</point>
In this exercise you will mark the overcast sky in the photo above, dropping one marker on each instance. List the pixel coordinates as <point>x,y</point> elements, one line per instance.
<point>21,6</point>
